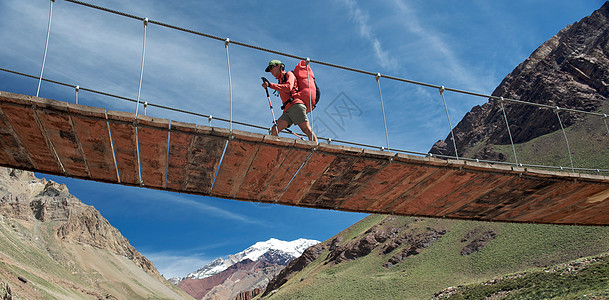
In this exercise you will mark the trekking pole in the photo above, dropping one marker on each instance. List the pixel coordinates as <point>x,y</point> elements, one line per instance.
<point>268,97</point>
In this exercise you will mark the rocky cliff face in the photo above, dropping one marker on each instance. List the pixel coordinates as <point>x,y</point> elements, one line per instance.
<point>570,70</point>
<point>25,197</point>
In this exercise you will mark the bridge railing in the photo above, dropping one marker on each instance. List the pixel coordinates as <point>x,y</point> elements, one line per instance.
<point>377,76</point>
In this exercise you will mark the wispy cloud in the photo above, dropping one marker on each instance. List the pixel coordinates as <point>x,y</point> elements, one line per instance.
<point>362,20</point>
<point>209,209</point>
<point>172,264</point>
<point>433,42</point>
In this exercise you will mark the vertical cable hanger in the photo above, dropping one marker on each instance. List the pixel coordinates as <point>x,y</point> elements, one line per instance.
<point>378,82</point>
<point>230,84</point>
<point>566,140</point>
<point>450,125</point>
<point>46,47</point>
<point>139,89</point>
<point>508,130</point>
<point>139,92</point>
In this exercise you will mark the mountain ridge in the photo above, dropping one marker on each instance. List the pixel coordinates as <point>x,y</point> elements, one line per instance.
<point>569,70</point>
<point>54,246</point>
<point>389,257</point>
<point>244,271</point>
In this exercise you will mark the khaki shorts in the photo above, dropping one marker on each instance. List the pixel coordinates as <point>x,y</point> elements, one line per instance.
<point>296,114</point>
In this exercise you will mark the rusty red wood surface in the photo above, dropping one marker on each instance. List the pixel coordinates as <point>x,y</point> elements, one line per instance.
<point>92,143</point>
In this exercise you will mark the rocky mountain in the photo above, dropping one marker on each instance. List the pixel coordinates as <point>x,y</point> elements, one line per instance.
<point>387,257</point>
<point>570,71</point>
<point>54,246</point>
<point>245,271</point>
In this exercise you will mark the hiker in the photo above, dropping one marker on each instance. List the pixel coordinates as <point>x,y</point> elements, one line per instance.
<point>294,109</point>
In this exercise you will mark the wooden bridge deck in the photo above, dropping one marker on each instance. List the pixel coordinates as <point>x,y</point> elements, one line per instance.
<point>91,143</point>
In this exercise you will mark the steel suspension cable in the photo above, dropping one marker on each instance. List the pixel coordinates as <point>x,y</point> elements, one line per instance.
<point>322,62</point>
<point>450,125</point>
<point>566,140</point>
<point>46,46</point>
<point>509,131</point>
<point>378,83</point>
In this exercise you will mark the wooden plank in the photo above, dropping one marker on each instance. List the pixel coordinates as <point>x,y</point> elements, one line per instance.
<point>570,214</point>
<point>503,195</point>
<point>57,125</point>
<point>153,137</point>
<point>594,213</point>
<point>415,175</point>
<point>555,203</point>
<point>362,170</point>
<point>240,153</point>
<point>345,157</point>
<point>92,130</point>
<point>125,150</point>
<point>339,165</point>
<point>293,161</point>
<point>371,191</point>
<point>268,160</point>
<point>25,124</point>
<point>180,140</point>
<point>541,202</point>
<point>203,158</point>
<point>544,188</point>
<point>307,176</point>
<point>477,186</point>
<point>59,129</point>
<point>429,192</point>
<point>12,151</point>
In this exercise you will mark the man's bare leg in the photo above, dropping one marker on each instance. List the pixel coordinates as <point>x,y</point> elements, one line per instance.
<point>306,128</point>
<point>281,125</point>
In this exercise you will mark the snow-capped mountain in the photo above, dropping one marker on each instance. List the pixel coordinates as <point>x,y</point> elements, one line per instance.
<point>291,249</point>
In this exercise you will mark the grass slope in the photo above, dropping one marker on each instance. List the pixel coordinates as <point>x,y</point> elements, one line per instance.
<point>516,248</point>
<point>588,141</point>
<point>586,278</point>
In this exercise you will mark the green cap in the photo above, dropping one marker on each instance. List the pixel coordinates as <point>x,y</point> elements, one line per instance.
<point>272,63</point>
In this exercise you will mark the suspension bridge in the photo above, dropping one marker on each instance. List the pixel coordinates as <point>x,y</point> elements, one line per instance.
<point>126,148</point>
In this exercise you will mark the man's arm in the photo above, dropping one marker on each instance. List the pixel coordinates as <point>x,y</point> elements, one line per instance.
<point>287,86</point>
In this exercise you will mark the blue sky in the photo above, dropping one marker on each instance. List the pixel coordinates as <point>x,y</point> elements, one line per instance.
<point>469,45</point>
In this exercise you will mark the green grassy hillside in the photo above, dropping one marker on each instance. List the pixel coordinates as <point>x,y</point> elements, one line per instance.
<point>514,248</point>
<point>588,140</point>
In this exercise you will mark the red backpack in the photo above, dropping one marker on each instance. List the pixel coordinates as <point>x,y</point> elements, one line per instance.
<point>306,86</point>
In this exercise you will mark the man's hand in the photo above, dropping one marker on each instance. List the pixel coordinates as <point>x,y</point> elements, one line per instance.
<point>265,83</point>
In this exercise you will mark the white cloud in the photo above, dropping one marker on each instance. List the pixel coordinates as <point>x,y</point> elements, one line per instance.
<point>361,18</point>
